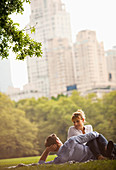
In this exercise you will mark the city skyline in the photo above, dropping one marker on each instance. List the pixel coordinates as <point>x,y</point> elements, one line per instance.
<point>88,16</point>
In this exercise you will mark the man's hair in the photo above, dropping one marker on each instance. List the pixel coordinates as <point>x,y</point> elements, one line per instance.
<point>78,114</point>
<point>50,140</point>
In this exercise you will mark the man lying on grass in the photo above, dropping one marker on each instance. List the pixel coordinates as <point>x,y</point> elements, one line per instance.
<point>74,149</point>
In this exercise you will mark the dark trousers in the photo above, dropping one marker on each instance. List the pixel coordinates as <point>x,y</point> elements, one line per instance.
<point>97,146</point>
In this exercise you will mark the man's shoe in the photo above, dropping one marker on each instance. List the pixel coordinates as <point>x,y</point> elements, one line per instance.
<point>109,150</point>
<point>101,157</point>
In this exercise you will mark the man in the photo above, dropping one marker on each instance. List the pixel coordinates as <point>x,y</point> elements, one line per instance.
<point>73,149</point>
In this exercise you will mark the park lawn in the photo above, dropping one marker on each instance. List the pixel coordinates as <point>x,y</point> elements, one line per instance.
<point>25,160</point>
<point>90,165</point>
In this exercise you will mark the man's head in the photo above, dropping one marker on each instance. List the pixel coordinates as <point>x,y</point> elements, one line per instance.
<point>51,140</point>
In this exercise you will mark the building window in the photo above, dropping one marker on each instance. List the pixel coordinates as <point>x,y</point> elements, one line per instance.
<point>110,76</point>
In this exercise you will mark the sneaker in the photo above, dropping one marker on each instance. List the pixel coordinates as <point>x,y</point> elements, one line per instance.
<point>109,150</point>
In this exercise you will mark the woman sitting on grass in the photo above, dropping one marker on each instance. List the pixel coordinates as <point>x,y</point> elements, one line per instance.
<point>78,118</point>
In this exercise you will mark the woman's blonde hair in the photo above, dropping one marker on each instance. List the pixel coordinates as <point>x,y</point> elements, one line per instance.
<point>79,113</point>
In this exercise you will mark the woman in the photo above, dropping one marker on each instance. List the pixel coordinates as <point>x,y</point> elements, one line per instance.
<point>78,118</point>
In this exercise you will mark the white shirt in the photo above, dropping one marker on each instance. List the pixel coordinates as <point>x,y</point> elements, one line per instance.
<point>72,131</point>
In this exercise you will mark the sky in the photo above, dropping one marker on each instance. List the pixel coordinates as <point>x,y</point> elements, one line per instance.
<point>96,15</point>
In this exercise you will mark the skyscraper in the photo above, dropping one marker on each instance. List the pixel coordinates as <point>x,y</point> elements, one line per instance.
<point>60,66</point>
<point>111,65</point>
<point>52,73</point>
<point>91,71</point>
<point>5,75</point>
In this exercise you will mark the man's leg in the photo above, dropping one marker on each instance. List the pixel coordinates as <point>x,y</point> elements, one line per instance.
<point>114,151</point>
<point>100,146</point>
<point>106,148</point>
<point>94,147</point>
<point>102,143</point>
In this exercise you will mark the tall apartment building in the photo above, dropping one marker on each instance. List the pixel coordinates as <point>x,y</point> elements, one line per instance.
<point>90,62</point>
<point>60,66</point>
<point>111,65</point>
<point>52,73</point>
<point>5,75</point>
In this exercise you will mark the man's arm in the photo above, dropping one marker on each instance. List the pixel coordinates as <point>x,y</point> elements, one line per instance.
<point>46,153</point>
<point>86,137</point>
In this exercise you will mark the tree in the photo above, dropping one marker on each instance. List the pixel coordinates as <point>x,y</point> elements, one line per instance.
<point>18,136</point>
<point>109,112</point>
<point>13,38</point>
<point>54,115</point>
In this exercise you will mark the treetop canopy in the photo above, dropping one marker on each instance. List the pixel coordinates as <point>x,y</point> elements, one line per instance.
<point>13,38</point>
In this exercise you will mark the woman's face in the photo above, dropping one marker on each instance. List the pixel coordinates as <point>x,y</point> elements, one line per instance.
<point>78,123</point>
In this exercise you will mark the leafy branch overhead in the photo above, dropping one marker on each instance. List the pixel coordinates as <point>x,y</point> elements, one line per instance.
<point>13,38</point>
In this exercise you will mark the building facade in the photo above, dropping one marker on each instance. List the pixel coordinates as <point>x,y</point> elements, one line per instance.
<point>60,66</point>
<point>52,73</point>
<point>90,62</point>
<point>27,92</point>
<point>111,65</point>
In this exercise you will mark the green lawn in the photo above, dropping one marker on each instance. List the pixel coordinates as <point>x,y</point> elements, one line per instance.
<point>92,165</point>
<point>25,160</point>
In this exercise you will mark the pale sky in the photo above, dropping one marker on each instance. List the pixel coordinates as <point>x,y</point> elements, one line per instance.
<point>96,15</point>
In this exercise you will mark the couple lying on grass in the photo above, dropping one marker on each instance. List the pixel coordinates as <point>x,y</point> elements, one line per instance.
<point>82,145</point>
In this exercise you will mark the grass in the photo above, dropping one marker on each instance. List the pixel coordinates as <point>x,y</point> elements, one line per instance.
<point>90,165</point>
<point>25,160</point>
